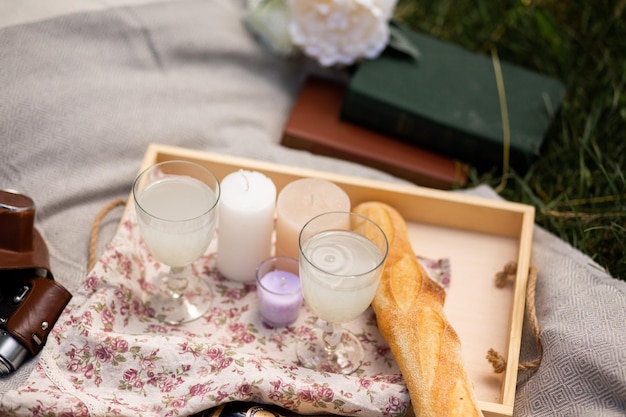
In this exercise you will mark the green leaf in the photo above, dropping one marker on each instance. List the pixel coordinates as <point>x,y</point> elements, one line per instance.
<point>399,42</point>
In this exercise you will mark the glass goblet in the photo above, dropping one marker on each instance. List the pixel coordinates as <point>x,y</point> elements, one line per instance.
<point>341,260</point>
<point>176,211</point>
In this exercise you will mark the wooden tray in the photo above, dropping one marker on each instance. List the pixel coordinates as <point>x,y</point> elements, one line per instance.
<point>478,235</point>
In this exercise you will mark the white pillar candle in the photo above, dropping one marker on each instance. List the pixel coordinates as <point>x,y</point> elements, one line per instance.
<point>297,203</point>
<point>245,224</point>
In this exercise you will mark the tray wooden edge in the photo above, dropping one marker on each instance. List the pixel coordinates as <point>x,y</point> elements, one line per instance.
<point>159,152</point>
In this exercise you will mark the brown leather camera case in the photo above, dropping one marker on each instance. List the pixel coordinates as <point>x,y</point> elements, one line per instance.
<point>36,315</point>
<point>24,257</point>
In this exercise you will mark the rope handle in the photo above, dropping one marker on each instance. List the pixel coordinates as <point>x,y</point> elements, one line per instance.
<point>502,278</point>
<point>95,229</point>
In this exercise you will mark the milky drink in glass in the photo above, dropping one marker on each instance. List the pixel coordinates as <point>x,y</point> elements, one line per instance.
<point>341,260</point>
<point>344,279</point>
<point>177,230</point>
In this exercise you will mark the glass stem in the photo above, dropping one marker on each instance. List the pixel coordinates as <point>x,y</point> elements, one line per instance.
<point>177,282</point>
<point>332,337</point>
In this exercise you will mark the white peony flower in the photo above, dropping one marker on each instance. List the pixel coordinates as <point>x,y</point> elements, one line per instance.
<point>340,31</point>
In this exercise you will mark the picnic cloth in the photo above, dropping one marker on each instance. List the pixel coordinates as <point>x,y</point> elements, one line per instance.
<point>83,94</point>
<point>108,354</point>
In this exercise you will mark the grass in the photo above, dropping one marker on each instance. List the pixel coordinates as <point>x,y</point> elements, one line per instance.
<point>578,184</point>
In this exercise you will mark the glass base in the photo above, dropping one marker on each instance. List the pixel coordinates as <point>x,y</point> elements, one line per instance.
<point>173,307</point>
<point>344,359</point>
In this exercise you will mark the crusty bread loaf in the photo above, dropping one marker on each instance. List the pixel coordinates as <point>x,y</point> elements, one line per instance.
<point>410,316</point>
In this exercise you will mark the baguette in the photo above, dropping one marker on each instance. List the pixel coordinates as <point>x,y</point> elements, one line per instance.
<point>409,312</point>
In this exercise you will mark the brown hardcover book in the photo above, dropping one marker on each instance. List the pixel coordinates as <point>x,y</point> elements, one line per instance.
<point>314,125</point>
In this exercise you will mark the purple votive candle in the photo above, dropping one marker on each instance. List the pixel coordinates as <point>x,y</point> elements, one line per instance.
<point>279,290</point>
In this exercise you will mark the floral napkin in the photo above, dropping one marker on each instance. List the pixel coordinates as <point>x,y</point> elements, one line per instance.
<point>106,356</point>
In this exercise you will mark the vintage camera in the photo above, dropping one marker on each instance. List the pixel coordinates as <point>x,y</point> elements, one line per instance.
<point>31,301</point>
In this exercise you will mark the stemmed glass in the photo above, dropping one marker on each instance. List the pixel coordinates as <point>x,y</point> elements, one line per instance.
<point>176,211</point>
<point>341,259</point>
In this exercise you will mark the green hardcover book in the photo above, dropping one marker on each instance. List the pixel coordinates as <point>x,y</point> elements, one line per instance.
<point>448,102</point>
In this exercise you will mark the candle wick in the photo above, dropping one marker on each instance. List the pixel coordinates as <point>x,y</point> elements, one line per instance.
<point>283,282</point>
<point>312,198</point>
<point>245,177</point>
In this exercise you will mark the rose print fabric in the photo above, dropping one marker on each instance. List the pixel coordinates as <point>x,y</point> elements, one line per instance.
<point>107,356</point>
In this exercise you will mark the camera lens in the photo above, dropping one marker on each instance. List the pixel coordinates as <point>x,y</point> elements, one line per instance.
<point>11,353</point>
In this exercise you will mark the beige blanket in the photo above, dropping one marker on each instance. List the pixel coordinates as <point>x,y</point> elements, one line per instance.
<point>86,86</point>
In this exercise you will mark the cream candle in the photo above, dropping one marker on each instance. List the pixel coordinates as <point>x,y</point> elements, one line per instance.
<point>279,291</point>
<point>245,224</point>
<point>297,203</point>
